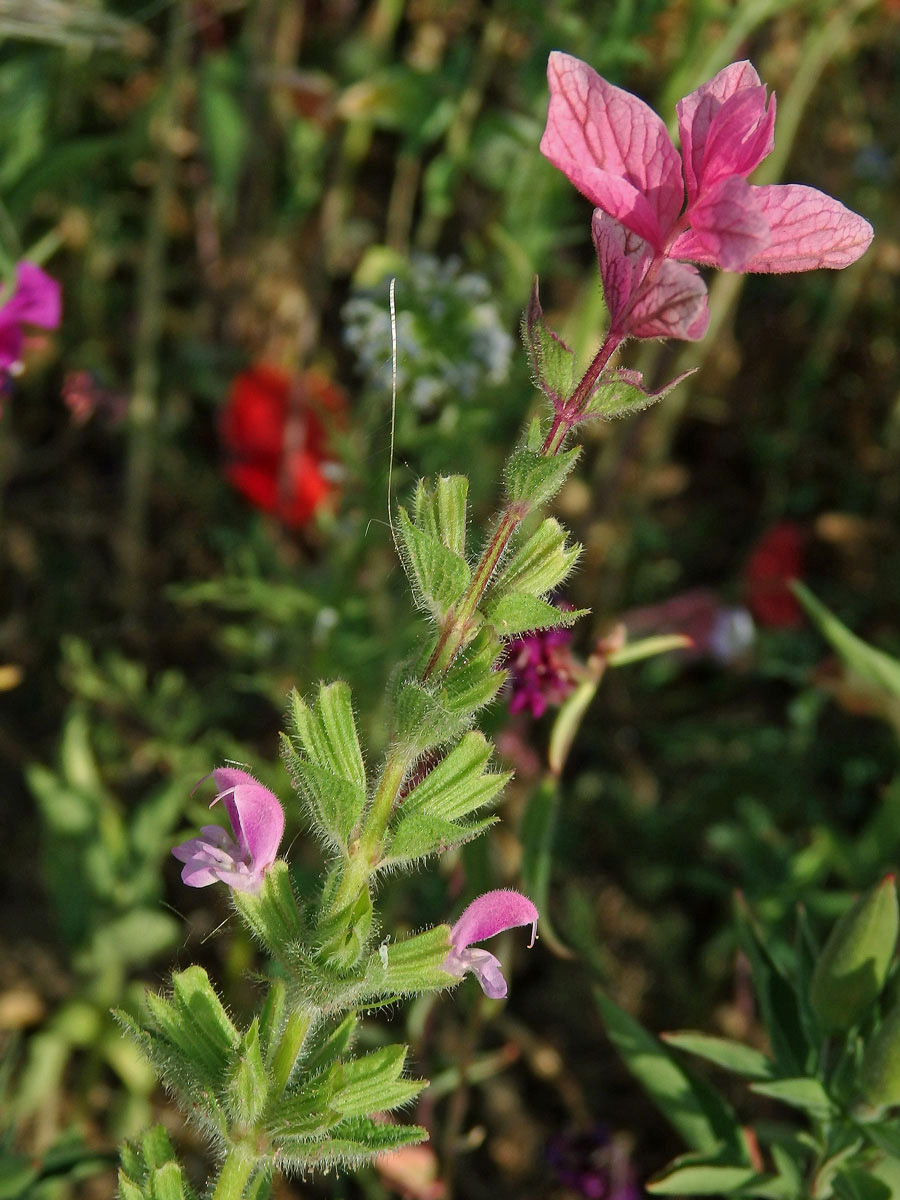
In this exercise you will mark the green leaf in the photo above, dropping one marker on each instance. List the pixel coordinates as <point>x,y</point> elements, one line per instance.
<point>806,1093</point>
<point>553,364</point>
<point>649,647</point>
<point>225,128</point>
<point>458,785</point>
<point>517,613</point>
<point>248,1084</point>
<point>533,478</point>
<point>439,575</point>
<point>776,998</point>
<point>540,565</point>
<point>687,1176</point>
<point>853,966</point>
<point>334,782</point>
<point>167,1183</point>
<point>620,393</point>
<point>371,1083</point>
<point>854,1184</point>
<point>272,913</point>
<point>424,835</point>
<point>731,1056</point>
<point>473,681</point>
<point>415,964</point>
<point>331,1046</point>
<point>871,665</point>
<point>354,1141</point>
<point>700,1115</point>
<point>204,1025</point>
<point>441,512</point>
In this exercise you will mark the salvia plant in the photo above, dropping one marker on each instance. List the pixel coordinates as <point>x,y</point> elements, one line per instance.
<point>286,1091</point>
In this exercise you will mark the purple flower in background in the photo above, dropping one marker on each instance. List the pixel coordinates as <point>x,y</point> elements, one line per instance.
<point>257,820</point>
<point>542,670</point>
<point>486,916</point>
<point>34,301</point>
<point>593,1165</point>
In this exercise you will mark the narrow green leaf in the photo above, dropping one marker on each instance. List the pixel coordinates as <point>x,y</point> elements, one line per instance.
<point>372,1083</point>
<point>450,495</point>
<point>540,564</point>
<point>330,1046</point>
<point>650,647</point>
<point>871,665</point>
<point>517,612</point>
<point>620,393</point>
<point>415,964</point>
<point>422,835</point>
<point>329,772</point>
<point>156,1148</point>
<point>355,1141</point>
<point>553,364</point>
<point>731,1056</point>
<point>852,1183</point>
<point>776,998</point>
<point>458,785</point>
<point>701,1116</point>
<point>705,1179</point>
<point>805,1093</point>
<point>535,478</point>
<point>167,1183</point>
<point>200,1009</point>
<point>438,575</point>
<point>248,1084</point>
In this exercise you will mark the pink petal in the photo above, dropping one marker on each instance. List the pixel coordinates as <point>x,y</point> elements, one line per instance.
<point>675,303</point>
<point>729,225</point>
<point>675,306</point>
<point>487,970</point>
<point>808,230</point>
<point>11,341</point>
<point>491,914</point>
<point>697,111</point>
<point>740,136</point>
<point>613,147</point>
<point>36,300</point>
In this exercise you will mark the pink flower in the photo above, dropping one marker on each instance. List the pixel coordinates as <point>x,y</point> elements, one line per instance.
<point>257,820</point>
<point>35,301</point>
<point>657,207</point>
<point>486,916</point>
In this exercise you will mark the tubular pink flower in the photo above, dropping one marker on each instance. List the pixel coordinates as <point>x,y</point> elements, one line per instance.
<point>695,206</point>
<point>257,820</point>
<point>35,301</point>
<point>490,914</point>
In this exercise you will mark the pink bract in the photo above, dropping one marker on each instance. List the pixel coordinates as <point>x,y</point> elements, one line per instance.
<point>486,916</point>
<point>657,206</point>
<point>257,820</point>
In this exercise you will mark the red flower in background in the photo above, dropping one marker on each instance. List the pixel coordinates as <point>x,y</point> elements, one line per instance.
<point>275,431</point>
<point>778,556</point>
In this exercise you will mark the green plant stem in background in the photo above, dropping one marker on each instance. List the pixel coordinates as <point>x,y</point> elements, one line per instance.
<point>235,1173</point>
<point>143,412</point>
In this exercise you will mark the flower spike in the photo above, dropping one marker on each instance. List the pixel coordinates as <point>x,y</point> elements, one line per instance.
<point>490,914</point>
<point>257,820</point>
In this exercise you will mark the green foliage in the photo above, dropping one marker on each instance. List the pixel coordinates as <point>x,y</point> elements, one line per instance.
<point>539,565</point>
<point>553,364</point>
<point>149,1170</point>
<point>620,393</point>
<point>853,966</point>
<point>532,478</point>
<point>325,762</point>
<point>432,816</point>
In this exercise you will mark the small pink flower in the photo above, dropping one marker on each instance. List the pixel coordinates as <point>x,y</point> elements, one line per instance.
<point>34,301</point>
<point>657,207</point>
<point>257,820</point>
<point>490,914</point>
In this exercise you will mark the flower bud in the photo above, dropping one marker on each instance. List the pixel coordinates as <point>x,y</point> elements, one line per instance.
<point>851,970</point>
<point>880,1076</point>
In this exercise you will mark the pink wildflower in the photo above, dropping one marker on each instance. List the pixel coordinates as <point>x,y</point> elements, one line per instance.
<point>542,670</point>
<point>34,301</point>
<point>257,820</point>
<point>657,207</point>
<point>486,916</point>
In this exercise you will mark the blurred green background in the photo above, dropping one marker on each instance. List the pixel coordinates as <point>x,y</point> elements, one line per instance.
<point>223,185</point>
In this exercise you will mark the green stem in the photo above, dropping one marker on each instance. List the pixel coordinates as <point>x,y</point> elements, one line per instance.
<point>289,1046</point>
<point>383,805</point>
<point>235,1174</point>
<point>143,410</point>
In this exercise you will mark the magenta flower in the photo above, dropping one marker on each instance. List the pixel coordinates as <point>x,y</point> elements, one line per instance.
<point>35,301</point>
<point>542,670</point>
<point>257,820</point>
<point>486,916</point>
<point>658,207</point>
